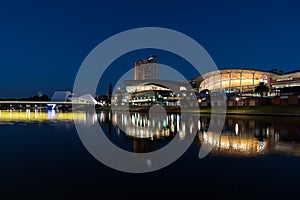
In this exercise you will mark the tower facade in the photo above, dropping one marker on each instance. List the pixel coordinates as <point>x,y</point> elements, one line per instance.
<point>146,69</point>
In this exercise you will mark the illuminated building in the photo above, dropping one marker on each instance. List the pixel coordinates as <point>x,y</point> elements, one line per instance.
<point>233,80</point>
<point>147,92</point>
<point>146,69</point>
<point>291,79</point>
<point>120,97</point>
<point>244,81</point>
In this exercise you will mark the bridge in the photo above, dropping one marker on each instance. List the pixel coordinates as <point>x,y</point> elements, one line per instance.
<point>40,104</point>
<point>59,99</point>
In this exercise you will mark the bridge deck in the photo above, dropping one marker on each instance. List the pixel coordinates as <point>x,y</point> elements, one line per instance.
<point>40,102</point>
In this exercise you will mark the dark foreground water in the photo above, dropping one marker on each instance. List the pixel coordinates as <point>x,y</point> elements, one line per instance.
<point>42,157</point>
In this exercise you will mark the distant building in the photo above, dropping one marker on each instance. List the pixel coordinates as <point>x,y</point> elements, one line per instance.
<point>120,97</point>
<point>290,79</point>
<point>276,71</point>
<point>146,69</point>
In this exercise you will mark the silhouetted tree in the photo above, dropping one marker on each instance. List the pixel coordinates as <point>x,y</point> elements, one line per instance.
<point>261,88</point>
<point>193,84</point>
<point>110,90</point>
<point>205,91</point>
<point>102,98</point>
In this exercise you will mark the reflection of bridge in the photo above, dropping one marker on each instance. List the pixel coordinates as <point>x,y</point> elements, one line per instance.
<point>51,115</point>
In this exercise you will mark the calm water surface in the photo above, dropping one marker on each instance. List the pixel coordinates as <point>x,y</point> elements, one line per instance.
<point>42,157</point>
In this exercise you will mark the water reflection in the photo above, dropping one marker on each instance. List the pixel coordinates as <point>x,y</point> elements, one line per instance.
<point>241,136</point>
<point>139,125</point>
<point>12,116</point>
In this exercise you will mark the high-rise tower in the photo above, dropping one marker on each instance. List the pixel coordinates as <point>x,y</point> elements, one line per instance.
<point>146,69</point>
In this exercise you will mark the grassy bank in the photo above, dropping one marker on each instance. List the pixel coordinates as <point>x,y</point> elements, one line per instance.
<point>279,110</point>
<point>293,110</point>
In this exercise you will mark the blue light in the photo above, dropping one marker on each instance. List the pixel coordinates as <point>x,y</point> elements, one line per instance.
<point>51,114</point>
<point>52,104</point>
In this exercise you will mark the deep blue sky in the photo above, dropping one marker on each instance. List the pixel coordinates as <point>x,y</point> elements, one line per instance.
<point>43,43</point>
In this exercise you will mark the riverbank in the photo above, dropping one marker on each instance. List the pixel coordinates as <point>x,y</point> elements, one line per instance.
<point>262,110</point>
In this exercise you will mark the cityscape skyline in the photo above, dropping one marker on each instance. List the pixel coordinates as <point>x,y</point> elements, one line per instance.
<point>44,43</point>
<point>110,98</point>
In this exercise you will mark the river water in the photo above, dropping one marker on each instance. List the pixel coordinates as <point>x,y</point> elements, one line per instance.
<point>42,157</point>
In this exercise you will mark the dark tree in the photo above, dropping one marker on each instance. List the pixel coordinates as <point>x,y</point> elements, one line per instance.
<point>205,91</point>
<point>110,90</point>
<point>102,98</point>
<point>261,88</point>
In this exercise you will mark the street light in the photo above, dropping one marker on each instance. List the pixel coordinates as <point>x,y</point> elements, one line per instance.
<point>199,100</point>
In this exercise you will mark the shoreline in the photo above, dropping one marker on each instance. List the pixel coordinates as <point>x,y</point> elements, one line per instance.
<point>262,110</point>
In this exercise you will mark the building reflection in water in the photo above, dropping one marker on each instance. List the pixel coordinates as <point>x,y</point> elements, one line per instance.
<point>241,136</point>
<point>140,126</point>
<point>146,133</point>
<point>250,136</point>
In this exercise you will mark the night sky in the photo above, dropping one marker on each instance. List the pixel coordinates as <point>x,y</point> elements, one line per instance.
<point>43,43</point>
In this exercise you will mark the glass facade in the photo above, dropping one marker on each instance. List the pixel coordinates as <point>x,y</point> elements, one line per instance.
<point>235,80</point>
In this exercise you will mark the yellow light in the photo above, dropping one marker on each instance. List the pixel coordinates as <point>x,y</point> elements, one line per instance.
<point>6,115</point>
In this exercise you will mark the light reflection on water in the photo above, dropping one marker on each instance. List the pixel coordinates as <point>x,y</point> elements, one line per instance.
<point>242,135</point>
<point>12,116</point>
